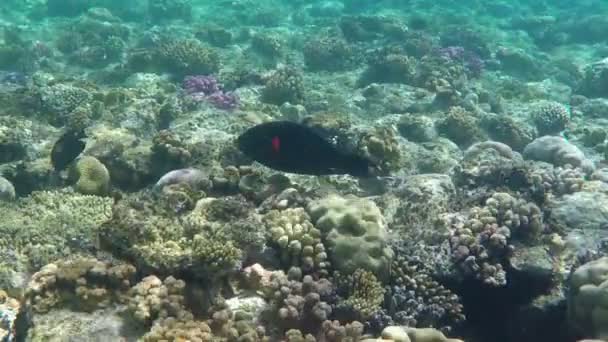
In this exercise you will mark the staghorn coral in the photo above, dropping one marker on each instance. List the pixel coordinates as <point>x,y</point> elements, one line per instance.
<point>550,118</point>
<point>92,177</point>
<point>355,234</point>
<point>481,242</point>
<point>363,294</point>
<point>284,85</point>
<point>82,283</point>
<point>297,239</point>
<point>188,57</point>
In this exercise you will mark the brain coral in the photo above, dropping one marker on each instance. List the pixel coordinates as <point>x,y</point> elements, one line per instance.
<point>355,232</point>
<point>92,176</point>
<point>588,299</point>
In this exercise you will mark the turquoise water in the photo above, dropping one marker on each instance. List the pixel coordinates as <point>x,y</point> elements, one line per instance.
<point>443,176</point>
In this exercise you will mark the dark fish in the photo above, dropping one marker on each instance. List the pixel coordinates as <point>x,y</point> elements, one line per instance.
<point>295,148</point>
<point>67,148</point>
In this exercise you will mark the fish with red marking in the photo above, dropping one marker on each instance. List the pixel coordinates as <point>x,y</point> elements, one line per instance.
<point>296,148</point>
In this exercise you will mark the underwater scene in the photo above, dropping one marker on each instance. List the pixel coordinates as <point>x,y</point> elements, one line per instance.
<point>303,170</point>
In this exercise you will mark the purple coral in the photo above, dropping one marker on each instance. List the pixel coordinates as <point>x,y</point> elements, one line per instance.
<point>207,88</point>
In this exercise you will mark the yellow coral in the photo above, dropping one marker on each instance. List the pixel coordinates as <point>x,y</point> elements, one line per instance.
<point>93,177</point>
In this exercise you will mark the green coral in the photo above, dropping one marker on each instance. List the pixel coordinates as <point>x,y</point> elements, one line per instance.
<point>92,176</point>
<point>188,57</point>
<point>355,234</point>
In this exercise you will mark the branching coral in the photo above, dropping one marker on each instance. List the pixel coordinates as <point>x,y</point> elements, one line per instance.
<point>298,305</point>
<point>415,297</point>
<point>460,126</point>
<point>208,241</point>
<point>152,298</point>
<point>363,294</point>
<point>327,53</point>
<point>284,85</point>
<point>550,118</point>
<point>297,239</point>
<point>82,283</point>
<point>480,243</point>
<point>188,57</point>
<point>46,226</point>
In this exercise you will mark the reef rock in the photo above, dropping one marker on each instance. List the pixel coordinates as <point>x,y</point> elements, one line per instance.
<point>580,210</point>
<point>557,151</point>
